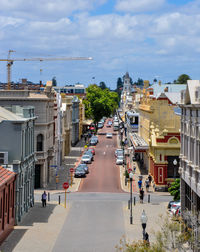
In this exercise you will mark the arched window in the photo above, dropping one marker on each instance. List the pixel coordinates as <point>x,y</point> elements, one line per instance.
<point>40,142</point>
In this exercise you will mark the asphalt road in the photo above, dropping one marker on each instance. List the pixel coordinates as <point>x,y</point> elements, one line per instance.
<point>104,175</point>
<point>95,222</point>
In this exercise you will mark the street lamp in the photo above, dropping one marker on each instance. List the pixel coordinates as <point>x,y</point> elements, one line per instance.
<point>131,213</point>
<point>175,164</point>
<point>144,219</point>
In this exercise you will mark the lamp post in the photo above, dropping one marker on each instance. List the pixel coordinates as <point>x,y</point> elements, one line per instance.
<point>144,219</point>
<point>175,164</point>
<point>131,210</point>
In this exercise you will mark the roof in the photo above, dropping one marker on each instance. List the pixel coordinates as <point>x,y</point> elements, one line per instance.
<point>172,88</point>
<point>193,85</point>
<point>5,175</point>
<point>173,97</point>
<point>6,115</point>
<point>138,142</point>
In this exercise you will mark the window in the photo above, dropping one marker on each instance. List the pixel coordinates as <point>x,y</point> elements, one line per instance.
<point>40,142</point>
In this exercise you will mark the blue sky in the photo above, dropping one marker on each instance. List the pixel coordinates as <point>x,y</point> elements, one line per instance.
<point>148,38</point>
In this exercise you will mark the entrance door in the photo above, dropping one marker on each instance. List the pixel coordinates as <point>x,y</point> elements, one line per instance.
<point>37,176</point>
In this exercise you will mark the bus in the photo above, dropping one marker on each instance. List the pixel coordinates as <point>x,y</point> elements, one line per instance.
<point>132,120</point>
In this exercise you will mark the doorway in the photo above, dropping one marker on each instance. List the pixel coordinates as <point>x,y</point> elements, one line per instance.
<point>37,176</point>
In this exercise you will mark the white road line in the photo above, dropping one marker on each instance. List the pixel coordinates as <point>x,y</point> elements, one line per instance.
<point>104,153</point>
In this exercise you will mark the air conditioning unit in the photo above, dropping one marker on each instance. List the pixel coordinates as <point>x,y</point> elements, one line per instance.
<point>3,158</point>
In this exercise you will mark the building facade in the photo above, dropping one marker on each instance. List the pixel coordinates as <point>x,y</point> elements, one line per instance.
<point>7,202</point>
<point>75,120</point>
<point>18,153</point>
<point>44,134</point>
<point>190,148</point>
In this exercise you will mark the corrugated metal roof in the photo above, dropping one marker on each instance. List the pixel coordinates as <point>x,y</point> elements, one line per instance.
<point>172,88</point>
<point>5,175</point>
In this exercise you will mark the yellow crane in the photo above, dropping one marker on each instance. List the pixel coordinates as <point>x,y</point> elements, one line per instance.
<point>10,62</point>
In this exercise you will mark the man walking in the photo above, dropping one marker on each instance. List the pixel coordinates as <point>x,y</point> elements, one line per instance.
<point>44,199</point>
<point>141,195</point>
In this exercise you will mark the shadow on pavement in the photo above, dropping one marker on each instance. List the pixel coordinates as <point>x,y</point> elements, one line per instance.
<point>37,214</point>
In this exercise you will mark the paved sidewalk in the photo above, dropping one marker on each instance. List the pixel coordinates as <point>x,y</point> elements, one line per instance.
<point>38,230</point>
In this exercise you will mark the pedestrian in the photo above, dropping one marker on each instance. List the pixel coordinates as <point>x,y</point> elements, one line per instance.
<point>141,195</point>
<point>44,199</point>
<point>150,178</point>
<point>147,184</point>
<point>139,184</point>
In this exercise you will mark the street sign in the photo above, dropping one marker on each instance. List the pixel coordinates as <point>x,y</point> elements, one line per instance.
<point>71,169</point>
<point>129,170</point>
<point>66,185</point>
<point>53,166</point>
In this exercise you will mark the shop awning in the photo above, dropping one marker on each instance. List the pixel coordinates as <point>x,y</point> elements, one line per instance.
<point>139,144</point>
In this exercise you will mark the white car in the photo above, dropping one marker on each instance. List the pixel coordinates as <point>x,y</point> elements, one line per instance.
<point>119,152</point>
<point>87,159</point>
<point>109,135</point>
<point>119,160</point>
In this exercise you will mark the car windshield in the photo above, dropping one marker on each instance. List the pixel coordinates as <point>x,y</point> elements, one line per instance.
<point>86,156</point>
<point>82,166</point>
<point>79,169</point>
<point>120,157</point>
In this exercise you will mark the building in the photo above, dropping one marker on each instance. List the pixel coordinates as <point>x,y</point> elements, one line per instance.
<point>18,153</point>
<point>66,125</point>
<point>159,129</point>
<point>189,166</point>
<point>44,133</point>
<point>75,120</point>
<point>77,89</point>
<point>81,118</point>
<point>7,202</point>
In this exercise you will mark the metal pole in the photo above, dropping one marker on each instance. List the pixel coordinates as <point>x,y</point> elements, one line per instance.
<point>65,197</point>
<point>148,198</point>
<point>131,214</point>
<point>59,199</point>
<point>134,201</point>
<point>48,196</point>
<point>128,204</point>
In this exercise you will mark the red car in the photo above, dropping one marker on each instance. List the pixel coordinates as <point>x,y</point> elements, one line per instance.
<point>92,150</point>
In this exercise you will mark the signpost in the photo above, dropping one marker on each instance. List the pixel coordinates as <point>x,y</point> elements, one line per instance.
<point>71,172</point>
<point>65,186</point>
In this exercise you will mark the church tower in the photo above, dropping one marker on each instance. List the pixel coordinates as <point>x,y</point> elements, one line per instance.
<point>127,83</point>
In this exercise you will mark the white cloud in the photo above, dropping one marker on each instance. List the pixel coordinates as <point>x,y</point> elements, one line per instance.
<point>138,5</point>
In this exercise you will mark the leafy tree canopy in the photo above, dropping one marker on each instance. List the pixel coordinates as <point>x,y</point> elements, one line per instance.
<point>174,189</point>
<point>100,102</point>
<point>182,79</point>
<point>54,82</point>
<point>102,85</point>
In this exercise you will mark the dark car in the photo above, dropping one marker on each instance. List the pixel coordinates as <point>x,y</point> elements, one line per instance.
<point>84,166</point>
<point>79,172</point>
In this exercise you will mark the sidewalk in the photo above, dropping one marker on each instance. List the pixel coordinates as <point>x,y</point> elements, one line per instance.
<point>38,230</point>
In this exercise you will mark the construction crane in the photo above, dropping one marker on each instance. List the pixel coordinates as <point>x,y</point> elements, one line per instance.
<point>11,61</point>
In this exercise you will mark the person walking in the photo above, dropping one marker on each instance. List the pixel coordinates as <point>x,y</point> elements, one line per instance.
<point>150,179</point>
<point>141,195</point>
<point>147,184</point>
<point>44,199</point>
<point>139,184</point>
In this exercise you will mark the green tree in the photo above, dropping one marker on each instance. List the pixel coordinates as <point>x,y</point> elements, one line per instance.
<point>174,189</point>
<point>102,85</point>
<point>182,79</point>
<point>54,82</point>
<point>100,102</point>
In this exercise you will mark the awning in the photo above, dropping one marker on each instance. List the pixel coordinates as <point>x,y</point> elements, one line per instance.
<point>87,122</point>
<point>139,144</point>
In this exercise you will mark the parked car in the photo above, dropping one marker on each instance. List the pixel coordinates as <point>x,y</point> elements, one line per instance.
<point>108,125</point>
<point>172,202</point>
<point>109,135</point>
<point>119,152</point>
<point>87,152</point>
<point>178,212</point>
<point>95,137</point>
<point>85,167</point>
<point>100,125</point>
<point>174,208</point>
<point>92,142</point>
<point>86,159</point>
<point>119,160</point>
<point>92,150</point>
<point>79,172</point>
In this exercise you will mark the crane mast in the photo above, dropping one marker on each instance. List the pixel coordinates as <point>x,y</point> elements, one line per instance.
<point>11,61</point>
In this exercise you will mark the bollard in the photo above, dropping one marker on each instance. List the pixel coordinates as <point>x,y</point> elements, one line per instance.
<point>48,196</point>
<point>125,181</point>
<point>129,204</point>
<point>59,199</point>
<point>134,200</point>
<point>148,198</point>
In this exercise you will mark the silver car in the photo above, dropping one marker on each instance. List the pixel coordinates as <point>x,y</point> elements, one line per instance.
<point>87,159</point>
<point>119,160</point>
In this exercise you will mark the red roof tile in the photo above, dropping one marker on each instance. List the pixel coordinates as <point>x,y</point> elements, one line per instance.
<point>5,175</point>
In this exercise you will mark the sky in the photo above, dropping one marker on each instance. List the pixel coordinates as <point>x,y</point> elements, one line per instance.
<point>147,38</point>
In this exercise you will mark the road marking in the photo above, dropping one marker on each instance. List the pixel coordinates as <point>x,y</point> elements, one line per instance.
<point>104,153</point>
<point>106,146</point>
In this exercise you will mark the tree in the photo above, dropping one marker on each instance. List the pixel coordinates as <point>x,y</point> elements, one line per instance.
<point>102,85</point>
<point>174,189</point>
<point>174,236</point>
<point>54,82</point>
<point>100,102</point>
<point>155,80</point>
<point>182,79</point>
